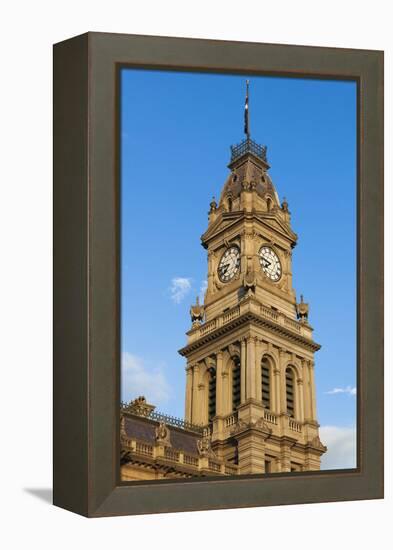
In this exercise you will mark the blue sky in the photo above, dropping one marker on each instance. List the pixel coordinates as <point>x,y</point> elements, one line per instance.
<point>176,130</point>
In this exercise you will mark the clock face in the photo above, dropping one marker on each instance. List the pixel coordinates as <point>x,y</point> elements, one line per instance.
<point>270,263</point>
<point>229,264</point>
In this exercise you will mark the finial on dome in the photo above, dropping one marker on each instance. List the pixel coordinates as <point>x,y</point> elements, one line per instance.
<point>284,206</point>
<point>197,313</point>
<point>213,204</point>
<point>302,310</point>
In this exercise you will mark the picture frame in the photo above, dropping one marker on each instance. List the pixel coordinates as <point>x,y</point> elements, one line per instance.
<point>87,274</point>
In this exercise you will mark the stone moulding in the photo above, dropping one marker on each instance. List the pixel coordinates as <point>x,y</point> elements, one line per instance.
<point>243,319</point>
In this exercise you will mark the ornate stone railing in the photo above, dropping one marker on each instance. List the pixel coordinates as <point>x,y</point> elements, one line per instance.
<point>137,448</point>
<point>246,307</point>
<point>270,417</point>
<point>231,420</point>
<point>191,460</point>
<point>208,327</point>
<point>228,316</point>
<point>269,313</point>
<point>292,325</point>
<point>214,466</point>
<point>294,425</point>
<point>171,454</point>
<point>144,448</point>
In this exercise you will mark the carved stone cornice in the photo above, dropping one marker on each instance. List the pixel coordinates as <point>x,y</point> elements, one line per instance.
<point>249,317</point>
<point>317,444</point>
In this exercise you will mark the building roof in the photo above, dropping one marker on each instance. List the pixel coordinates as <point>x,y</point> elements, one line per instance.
<point>249,168</point>
<point>145,429</point>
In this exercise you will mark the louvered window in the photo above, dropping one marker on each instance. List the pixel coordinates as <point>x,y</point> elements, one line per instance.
<point>212,394</point>
<point>265,371</point>
<point>235,384</point>
<point>290,391</point>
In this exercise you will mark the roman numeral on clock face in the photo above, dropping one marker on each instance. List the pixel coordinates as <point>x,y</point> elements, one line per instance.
<point>229,264</point>
<point>270,263</point>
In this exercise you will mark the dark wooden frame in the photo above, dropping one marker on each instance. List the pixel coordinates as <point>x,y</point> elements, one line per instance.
<point>86,274</point>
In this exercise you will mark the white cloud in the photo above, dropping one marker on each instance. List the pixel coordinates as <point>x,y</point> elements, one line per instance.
<point>180,287</point>
<point>349,390</point>
<point>341,444</point>
<point>138,378</point>
<point>202,290</point>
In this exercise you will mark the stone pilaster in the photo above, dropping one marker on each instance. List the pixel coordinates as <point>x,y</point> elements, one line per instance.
<point>219,384</point>
<point>195,406</point>
<point>250,376</point>
<point>258,370</point>
<point>312,391</point>
<point>283,394</point>
<point>300,401</point>
<point>243,394</point>
<point>251,443</point>
<point>188,405</point>
<point>306,391</point>
<point>277,390</point>
<point>286,445</point>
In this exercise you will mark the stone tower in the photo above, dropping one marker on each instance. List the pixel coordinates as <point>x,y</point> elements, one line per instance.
<point>250,350</point>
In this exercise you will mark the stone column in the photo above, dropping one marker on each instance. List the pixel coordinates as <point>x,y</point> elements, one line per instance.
<point>219,384</point>
<point>300,400</point>
<point>306,391</point>
<point>188,411</point>
<point>243,394</point>
<point>227,393</point>
<point>196,405</point>
<point>312,392</point>
<point>276,390</point>
<point>210,270</point>
<point>201,405</point>
<point>250,377</point>
<point>258,370</point>
<point>283,392</point>
<point>285,457</point>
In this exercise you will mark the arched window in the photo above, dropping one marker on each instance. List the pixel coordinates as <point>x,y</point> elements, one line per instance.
<point>290,391</point>
<point>269,204</point>
<point>235,383</point>
<point>212,394</point>
<point>266,385</point>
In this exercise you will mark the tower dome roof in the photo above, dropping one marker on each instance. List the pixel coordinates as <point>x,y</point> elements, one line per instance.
<point>248,171</point>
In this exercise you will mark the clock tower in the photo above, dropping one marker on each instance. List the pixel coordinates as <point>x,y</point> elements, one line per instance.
<point>250,349</point>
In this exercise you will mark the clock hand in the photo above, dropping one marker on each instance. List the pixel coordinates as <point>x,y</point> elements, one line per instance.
<point>266,262</point>
<point>224,268</point>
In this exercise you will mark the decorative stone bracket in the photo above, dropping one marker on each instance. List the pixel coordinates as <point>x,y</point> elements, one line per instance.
<point>260,425</point>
